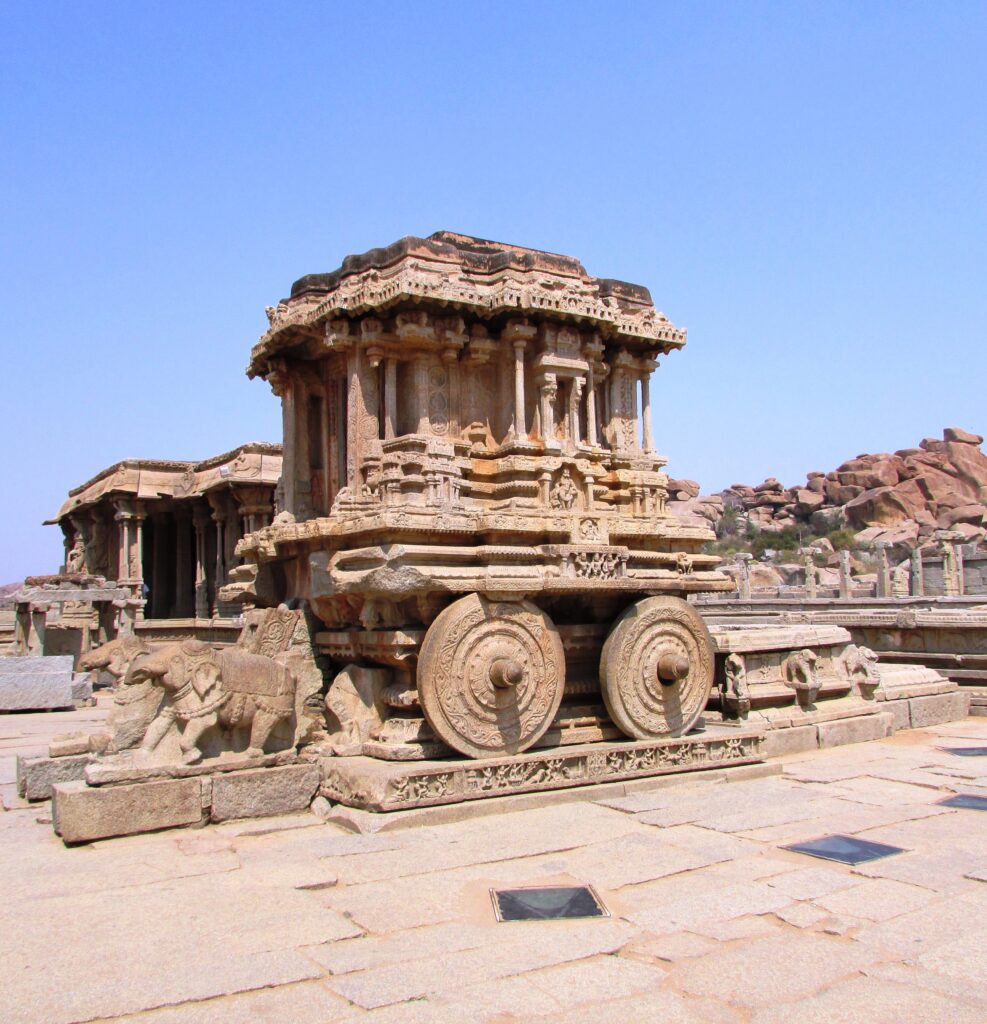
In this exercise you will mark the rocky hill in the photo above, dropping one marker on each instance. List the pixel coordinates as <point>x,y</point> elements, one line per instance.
<point>901,498</point>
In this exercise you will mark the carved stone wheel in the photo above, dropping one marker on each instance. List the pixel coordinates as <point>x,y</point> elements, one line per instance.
<point>656,671</point>
<point>490,675</point>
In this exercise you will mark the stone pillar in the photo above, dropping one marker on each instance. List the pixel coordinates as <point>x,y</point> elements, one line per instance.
<point>184,592</point>
<point>950,576</point>
<point>159,570</point>
<point>960,575</point>
<point>520,428</point>
<point>846,583</point>
<point>283,387</point>
<point>883,571</point>
<point>575,405</point>
<point>547,392</point>
<point>649,367</point>
<point>390,397</point>
<point>36,633</point>
<point>809,567</point>
<point>588,482</point>
<point>545,487</point>
<point>122,517</point>
<point>137,554</point>
<point>744,588</point>
<point>917,586</point>
<point>423,426</point>
<point>219,518</point>
<point>591,406</point>
<point>200,520</point>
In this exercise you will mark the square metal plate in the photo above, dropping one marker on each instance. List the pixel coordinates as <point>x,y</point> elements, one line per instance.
<point>845,849</point>
<point>966,800</point>
<point>547,903</point>
<point>965,751</point>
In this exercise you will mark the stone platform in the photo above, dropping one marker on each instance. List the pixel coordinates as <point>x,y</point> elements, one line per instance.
<point>371,784</point>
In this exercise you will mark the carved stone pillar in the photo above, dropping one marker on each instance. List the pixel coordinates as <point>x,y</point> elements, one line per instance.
<point>648,368</point>
<point>200,519</point>
<point>421,395</point>
<point>520,428</point>
<point>883,571</point>
<point>159,568</point>
<point>545,487</point>
<point>184,589</point>
<point>547,392</point>
<point>809,567</point>
<point>917,583</point>
<point>283,387</point>
<point>390,397</point>
<point>36,634</point>
<point>217,504</point>
<point>575,407</point>
<point>122,518</point>
<point>960,573</point>
<point>846,583</point>
<point>591,406</point>
<point>744,560</point>
<point>137,552</point>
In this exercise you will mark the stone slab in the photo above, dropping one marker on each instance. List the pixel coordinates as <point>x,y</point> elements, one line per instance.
<point>778,742</point>
<point>35,691</point>
<point>81,813</point>
<point>36,775</point>
<point>261,792</point>
<point>946,707</point>
<point>856,730</point>
<point>20,664</point>
<point>373,785</point>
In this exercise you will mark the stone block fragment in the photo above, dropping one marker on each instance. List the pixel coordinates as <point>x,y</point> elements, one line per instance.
<point>262,792</point>
<point>778,742</point>
<point>939,708</point>
<point>35,691</point>
<point>855,730</point>
<point>82,686</point>
<point>37,775</point>
<point>81,813</point>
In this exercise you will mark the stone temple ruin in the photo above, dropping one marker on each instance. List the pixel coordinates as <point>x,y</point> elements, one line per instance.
<point>473,585</point>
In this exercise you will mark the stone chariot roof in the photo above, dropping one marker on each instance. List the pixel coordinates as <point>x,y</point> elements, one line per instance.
<point>488,279</point>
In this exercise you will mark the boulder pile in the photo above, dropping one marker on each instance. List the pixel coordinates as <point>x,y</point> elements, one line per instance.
<point>900,499</point>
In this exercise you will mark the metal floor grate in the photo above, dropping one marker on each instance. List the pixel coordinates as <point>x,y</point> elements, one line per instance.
<point>845,849</point>
<point>547,903</point>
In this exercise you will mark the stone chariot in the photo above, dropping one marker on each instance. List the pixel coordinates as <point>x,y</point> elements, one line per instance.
<point>473,506</point>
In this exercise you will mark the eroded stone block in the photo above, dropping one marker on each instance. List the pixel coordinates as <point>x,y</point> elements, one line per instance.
<point>260,792</point>
<point>778,742</point>
<point>82,813</point>
<point>855,730</point>
<point>943,707</point>
<point>35,691</point>
<point>36,775</point>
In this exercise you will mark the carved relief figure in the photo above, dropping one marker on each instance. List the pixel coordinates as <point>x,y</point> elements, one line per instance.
<point>75,560</point>
<point>205,688</point>
<point>564,493</point>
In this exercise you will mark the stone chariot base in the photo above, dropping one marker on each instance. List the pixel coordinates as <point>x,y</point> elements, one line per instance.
<point>373,785</point>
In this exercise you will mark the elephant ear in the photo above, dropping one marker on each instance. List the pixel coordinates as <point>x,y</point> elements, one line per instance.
<point>205,677</point>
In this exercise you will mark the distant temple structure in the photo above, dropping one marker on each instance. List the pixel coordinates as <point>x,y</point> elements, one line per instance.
<point>148,540</point>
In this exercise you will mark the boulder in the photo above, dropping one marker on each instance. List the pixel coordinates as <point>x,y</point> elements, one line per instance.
<point>771,485</point>
<point>961,436</point>
<point>973,514</point>
<point>689,487</point>
<point>878,507</point>
<point>807,501</point>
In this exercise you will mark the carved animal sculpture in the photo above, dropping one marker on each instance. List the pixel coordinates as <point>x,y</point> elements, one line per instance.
<point>205,688</point>
<point>134,708</point>
<point>800,671</point>
<point>736,693</point>
<point>114,657</point>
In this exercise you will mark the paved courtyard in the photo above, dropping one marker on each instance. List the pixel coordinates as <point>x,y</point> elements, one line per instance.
<point>293,920</point>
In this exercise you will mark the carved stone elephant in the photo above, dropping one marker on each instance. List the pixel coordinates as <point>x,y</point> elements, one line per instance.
<point>205,687</point>
<point>114,656</point>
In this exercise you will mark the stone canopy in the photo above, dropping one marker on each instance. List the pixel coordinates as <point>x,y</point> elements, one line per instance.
<point>490,279</point>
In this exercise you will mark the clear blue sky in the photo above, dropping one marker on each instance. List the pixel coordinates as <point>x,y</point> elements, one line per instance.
<point>801,185</point>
